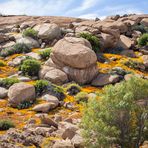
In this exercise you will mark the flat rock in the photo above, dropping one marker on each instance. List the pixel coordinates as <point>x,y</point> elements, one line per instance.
<point>50,98</point>
<point>105,79</point>
<point>45,107</point>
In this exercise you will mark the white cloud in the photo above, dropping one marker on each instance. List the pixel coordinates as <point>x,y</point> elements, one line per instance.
<point>34,7</point>
<point>92,16</point>
<point>89,16</point>
<point>121,9</point>
<point>85,5</point>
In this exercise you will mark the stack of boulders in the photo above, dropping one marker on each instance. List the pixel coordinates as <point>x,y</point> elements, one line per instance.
<point>115,31</point>
<point>71,59</point>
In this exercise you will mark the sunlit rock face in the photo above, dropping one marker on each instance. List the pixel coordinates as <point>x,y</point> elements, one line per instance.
<point>75,57</point>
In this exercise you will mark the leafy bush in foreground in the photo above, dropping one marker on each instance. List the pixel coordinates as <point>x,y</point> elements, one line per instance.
<point>30,67</point>
<point>7,82</point>
<point>45,54</point>
<point>29,32</point>
<point>81,97</point>
<point>73,89</point>
<point>119,117</point>
<point>94,41</point>
<point>5,125</point>
<point>134,64</point>
<point>143,40</point>
<point>41,86</point>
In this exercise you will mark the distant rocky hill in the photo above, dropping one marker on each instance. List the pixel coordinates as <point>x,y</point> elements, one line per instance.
<point>62,21</point>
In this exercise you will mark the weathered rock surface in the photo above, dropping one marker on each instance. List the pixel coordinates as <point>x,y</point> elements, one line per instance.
<point>53,75</point>
<point>50,98</point>
<point>75,57</point>
<point>125,42</point>
<point>74,52</point>
<point>48,31</point>
<point>105,79</point>
<point>20,92</point>
<point>45,107</point>
<point>32,43</point>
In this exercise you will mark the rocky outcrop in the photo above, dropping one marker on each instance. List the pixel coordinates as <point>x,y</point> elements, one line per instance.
<point>48,31</point>
<point>125,42</point>
<point>75,57</point>
<point>20,92</point>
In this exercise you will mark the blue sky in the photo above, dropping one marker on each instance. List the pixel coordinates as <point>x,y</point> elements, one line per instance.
<point>74,8</point>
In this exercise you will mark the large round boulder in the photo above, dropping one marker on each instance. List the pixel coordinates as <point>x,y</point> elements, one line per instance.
<point>76,58</point>
<point>48,31</point>
<point>20,92</point>
<point>74,52</point>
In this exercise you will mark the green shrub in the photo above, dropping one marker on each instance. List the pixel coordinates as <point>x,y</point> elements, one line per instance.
<point>57,91</point>
<point>143,40</point>
<point>141,28</point>
<point>134,64</point>
<point>119,71</point>
<point>94,41</point>
<point>25,104</point>
<point>30,67</point>
<point>7,82</point>
<point>29,32</point>
<point>41,87</point>
<point>21,48</point>
<point>2,64</point>
<point>45,54</point>
<point>6,124</point>
<point>73,89</point>
<point>7,52</point>
<point>119,117</point>
<point>16,49</point>
<point>81,97</point>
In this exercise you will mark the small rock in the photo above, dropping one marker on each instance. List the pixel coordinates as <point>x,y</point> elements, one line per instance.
<point>128,76</point>
<point>105,79</point>
<point>45,107</point>
<point>63,144</point>
<point>3,92</point>
<point>24,79</point>
<point>114,78</point>
<point>57,118</point>
<point>34,55</point>
<point>78,141</point>
<point>48,121</point>
<point>51,99</point>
